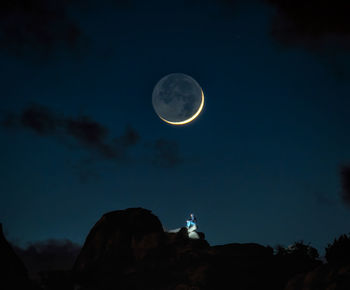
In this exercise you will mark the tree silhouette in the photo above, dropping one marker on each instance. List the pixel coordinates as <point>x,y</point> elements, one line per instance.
<point>339,251</point>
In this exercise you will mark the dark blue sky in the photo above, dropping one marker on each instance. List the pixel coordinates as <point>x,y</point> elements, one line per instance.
<point>260,164</point>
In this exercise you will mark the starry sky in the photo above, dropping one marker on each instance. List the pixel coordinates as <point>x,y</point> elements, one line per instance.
<point>266,161</point>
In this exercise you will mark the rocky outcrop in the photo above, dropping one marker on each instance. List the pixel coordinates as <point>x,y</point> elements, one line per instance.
<point>13,274</point>
<point>128,249</point>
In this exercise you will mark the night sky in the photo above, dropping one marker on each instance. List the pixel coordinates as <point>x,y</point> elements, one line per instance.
<point>266,161</point>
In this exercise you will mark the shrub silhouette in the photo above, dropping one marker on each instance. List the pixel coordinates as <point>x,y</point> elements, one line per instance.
<point>339,251</point>
<point>299,251</point>
<point>295,259</point>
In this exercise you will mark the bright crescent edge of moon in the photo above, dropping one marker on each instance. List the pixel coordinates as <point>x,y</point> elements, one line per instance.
<point>190,119</point>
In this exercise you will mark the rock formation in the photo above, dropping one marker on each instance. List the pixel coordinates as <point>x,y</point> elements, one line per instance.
<point>129,249</point>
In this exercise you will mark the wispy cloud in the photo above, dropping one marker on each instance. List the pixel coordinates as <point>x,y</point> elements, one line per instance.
<point>89,134</point>
<point>93,137</point>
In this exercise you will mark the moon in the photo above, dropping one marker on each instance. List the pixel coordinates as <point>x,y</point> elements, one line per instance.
<point>177,99</point>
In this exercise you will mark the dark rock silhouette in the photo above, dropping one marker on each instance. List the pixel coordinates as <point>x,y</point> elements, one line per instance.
<point>118,239</point>
<point>13,274</point>
<point>128,249</point>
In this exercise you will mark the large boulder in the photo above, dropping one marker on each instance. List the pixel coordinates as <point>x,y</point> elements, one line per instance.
<point>118,240</point>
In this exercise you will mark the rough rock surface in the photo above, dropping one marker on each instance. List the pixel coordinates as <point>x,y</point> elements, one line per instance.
<point>118,239</point>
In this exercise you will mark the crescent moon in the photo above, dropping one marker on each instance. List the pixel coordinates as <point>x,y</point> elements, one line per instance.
<point>189,119</point>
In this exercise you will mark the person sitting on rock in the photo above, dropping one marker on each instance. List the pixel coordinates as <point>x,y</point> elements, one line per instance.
<point>191,223</point>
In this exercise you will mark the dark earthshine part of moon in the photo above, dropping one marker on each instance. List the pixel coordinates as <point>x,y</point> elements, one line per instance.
<point>177,99</point>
